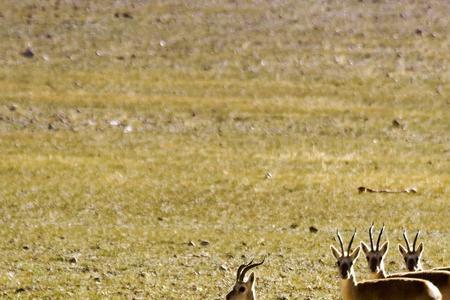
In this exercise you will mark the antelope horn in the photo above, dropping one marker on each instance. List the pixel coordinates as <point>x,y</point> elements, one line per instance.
<point>406,239</point>
<point>248,267</point>
<point>379,237</point>
<point>351,242</point>
<point>239,270</point>
<point>340,241</point>
<point>415,240</point>
<point>371,236</point>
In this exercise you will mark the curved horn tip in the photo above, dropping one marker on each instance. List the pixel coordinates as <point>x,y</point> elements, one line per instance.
<point>351,242</point>
<point>371,236</point>
<point>249,266</point>
<point>415,240</point>
<point>379,237</point>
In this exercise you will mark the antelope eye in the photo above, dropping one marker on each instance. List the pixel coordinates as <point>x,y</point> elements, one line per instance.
<point>241,289</point>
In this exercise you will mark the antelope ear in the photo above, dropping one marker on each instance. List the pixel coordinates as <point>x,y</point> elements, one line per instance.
<point>384,248</point>
<point>355,253</point>
<point>402,250</point>
<point>420,249</point>
<point>365,248</point>
<point>251,280</point>
<point>335,252</point>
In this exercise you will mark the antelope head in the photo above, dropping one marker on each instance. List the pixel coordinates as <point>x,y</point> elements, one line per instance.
<point>375,255</point>
<point>345,259</point>
<point>411,255</point>
<point>244,289</point>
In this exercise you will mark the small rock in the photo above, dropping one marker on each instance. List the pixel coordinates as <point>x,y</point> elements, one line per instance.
<point>127,15</point>
<point>268,175</point>
<point>313,229</point>
<point>293,226</point>
<point>12,107</point>
<point>128,129</point>
<point>20,290</point>
<point>73,260</point>
<point>28,53</point>
<point>223,268</point>
<point>419,31</point>
<point>114,123</point>
<point>25,247</point>
<point>411,190</point>
<point>395,123</point>
<point>204,243</point>
<point>362,189</point>
<point>191,243</point>
<point>162,43</point>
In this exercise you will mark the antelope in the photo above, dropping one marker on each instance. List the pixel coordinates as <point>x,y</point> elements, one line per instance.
<point>386,289</point>
<point>244,289</point>
<point>412,256</point>
<point>375,258</point>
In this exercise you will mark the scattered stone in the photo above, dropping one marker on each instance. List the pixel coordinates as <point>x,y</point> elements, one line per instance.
<point>268,175</point>
<point>191,243</point>
<point>128,129</point>
<point>313,229</point>
<point>127,15</point>
<point>25,247</point>
<point>28,53</point>
<point>73,260</point>
<point>114,123</point>
<point>411,190</point>
<point>20,290</point>
<point>293,226</point>
<point>223,268</point>
<point>397,124</point>
<point>419,31</point>
<point>12,107</point>
<point>204,243</point>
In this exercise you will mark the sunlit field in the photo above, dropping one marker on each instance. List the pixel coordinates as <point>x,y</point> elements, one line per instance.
<point>148,148</point>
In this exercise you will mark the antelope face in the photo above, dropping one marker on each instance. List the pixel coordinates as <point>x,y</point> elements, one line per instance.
<point>374,257</point>
<point>243,290</point>
<point>345,261</point>
<point>411,256</point>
